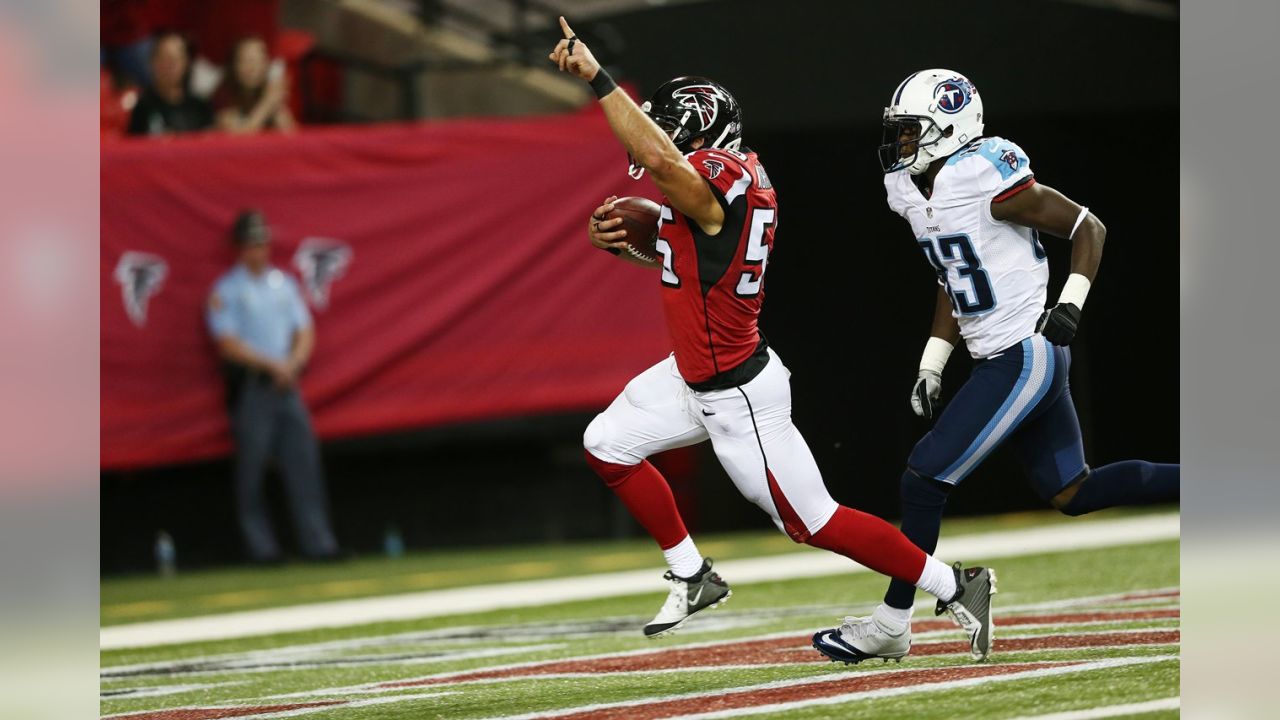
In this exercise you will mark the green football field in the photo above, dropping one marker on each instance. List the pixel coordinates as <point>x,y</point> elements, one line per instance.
<point>1090,625</point>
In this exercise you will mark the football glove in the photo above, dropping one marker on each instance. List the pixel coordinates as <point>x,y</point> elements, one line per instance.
<point>1058,324</point>
<point>925,394</point>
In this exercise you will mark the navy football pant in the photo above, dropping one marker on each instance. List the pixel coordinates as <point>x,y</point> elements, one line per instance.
<point>1022,396</point>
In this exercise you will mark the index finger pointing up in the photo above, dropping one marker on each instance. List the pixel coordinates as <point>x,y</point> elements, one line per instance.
<point>564,25</point>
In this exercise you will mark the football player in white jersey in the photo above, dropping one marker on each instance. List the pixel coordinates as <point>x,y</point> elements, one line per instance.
<point>976,212</point>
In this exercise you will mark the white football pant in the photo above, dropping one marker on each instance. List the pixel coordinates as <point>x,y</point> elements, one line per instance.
<point>749,427</point>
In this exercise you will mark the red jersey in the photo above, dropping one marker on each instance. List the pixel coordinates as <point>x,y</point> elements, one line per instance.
<point>713,286</point>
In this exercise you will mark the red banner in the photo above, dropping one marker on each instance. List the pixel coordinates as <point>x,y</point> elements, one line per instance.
<point>446,266</point>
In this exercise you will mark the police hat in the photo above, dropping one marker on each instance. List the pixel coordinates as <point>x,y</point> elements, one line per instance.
<point>250,228</point>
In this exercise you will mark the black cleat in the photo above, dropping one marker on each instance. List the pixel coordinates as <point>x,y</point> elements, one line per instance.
<point>971,607</point>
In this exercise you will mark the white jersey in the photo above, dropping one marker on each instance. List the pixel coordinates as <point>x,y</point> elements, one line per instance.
<point>995,272</point>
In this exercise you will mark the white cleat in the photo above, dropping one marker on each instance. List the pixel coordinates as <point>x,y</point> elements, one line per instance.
<point>688,596</point>
<point>863,638</point>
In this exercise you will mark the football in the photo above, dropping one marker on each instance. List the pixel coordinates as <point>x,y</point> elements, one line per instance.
<point>640,220</point>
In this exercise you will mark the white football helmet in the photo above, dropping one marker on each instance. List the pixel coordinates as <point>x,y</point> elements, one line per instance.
<point>945,112</point>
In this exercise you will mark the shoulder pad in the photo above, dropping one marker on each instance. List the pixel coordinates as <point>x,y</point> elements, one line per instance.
<point>725,170</point>
<point>992,165</point>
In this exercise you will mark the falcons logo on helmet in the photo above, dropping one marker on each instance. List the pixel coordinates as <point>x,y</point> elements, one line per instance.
<point>321,261</point>
<point>703,99</point>
<point>140,276</point>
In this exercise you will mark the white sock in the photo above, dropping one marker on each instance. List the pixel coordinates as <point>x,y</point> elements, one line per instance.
<point>893,619</point>
<point>937,579</point>
<point>684,558</point>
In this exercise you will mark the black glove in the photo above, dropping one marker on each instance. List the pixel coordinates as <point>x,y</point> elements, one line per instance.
<point>1058,324</point>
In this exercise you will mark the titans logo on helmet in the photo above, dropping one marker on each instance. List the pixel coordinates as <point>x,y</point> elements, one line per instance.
<point>140,276</point>
<point>703,99</point>
<point>321,261</point>
<point>953,95</point>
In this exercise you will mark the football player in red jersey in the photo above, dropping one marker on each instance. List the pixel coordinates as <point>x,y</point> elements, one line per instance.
<point>723,382</point>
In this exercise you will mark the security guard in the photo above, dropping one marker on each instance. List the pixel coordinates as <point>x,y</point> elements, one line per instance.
<point>264,335</point>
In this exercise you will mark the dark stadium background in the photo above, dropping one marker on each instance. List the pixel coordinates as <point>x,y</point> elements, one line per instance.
<point>1091,96</point>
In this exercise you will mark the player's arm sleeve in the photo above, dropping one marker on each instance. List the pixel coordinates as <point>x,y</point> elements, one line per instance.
<point>299,316</point>
<point>727,176</point>
<point>1005,172</point>
<point>1010,171</point>
<point>218,313</point>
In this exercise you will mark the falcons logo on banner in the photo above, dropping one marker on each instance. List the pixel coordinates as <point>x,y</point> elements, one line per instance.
<point>702,99</point>
<point>321,261</point>
<point>140,276</point>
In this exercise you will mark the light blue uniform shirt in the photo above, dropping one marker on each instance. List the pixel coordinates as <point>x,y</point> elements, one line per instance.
<point>262,311</point>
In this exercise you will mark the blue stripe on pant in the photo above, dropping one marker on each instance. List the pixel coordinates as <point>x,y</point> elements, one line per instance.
<point>1020,395</point>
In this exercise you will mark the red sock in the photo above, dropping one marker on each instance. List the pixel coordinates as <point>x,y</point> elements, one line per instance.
<point>647,495</point>
<point>870,541</point>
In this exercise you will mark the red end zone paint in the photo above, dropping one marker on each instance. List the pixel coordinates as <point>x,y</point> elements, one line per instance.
<point>796,649</point>
<point>808,691</point>
<point>213,713</point>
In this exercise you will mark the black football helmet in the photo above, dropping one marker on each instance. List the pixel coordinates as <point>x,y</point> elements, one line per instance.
<point>692,107</point>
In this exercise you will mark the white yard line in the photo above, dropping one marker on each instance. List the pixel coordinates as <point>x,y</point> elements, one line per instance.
<point>1150,706</point>
<point>479,598</point>
<point>158,691</point>
<point>345,705</point>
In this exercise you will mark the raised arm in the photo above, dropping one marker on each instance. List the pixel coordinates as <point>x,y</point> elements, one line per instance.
<point>651,148</point>
<point>1044,209</point>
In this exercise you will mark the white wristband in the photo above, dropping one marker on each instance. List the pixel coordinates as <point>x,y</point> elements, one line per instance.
<point>1084,213</point>
<point>1075,290</point>
<point>936,352</point>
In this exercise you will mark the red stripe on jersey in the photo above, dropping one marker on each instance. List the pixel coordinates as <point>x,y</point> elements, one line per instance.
<point>1022,185</point>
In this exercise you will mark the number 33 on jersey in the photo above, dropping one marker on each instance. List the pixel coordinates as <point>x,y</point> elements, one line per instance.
<point>713,285</point>
<point>994,272</point>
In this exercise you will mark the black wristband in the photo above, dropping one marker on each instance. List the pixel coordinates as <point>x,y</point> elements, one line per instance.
<point>602,83</point>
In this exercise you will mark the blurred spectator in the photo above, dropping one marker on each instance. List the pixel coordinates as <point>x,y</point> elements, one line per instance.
<point>167,106</point>
<point>115,105</point>
<point>126,39</point>
<point>254,91</point>
<point>264,334</point>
